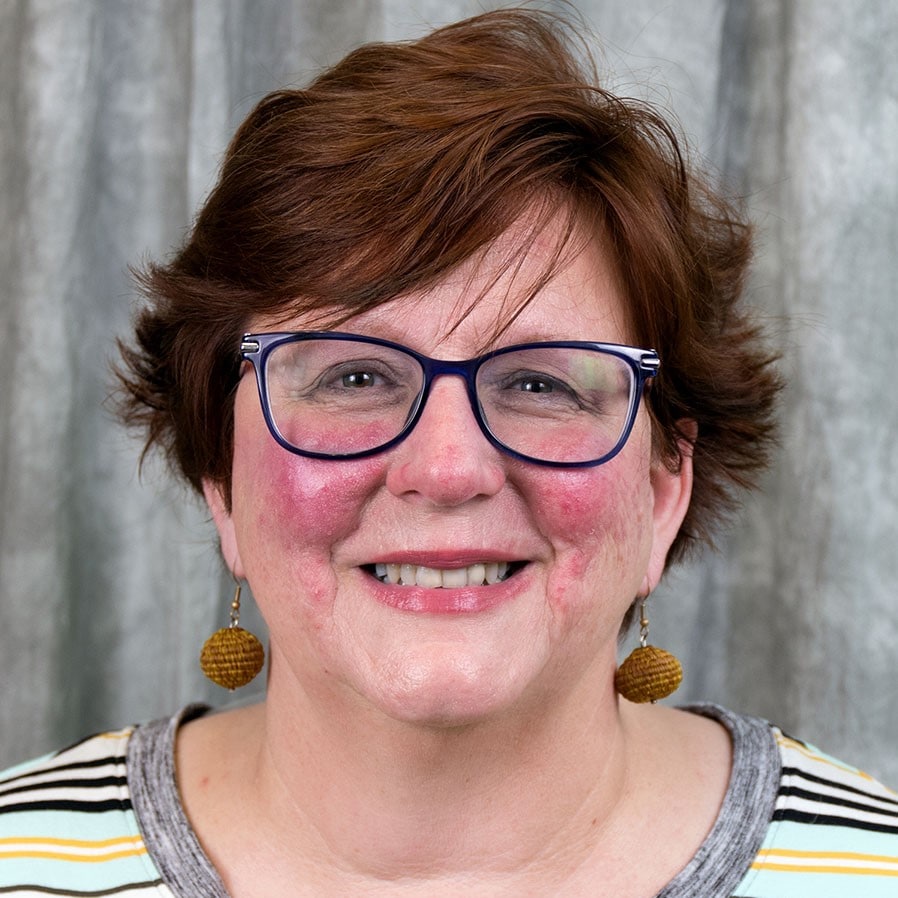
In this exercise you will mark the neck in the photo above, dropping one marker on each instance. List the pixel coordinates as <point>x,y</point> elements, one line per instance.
<point>350,802</point>
<point>392,799</point>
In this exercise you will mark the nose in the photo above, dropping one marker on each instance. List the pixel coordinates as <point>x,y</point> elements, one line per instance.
<point>446,460</point>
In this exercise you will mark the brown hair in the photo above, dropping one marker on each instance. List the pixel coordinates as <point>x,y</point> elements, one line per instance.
<point>406,159</point>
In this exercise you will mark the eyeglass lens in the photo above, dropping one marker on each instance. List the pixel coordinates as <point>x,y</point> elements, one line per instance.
<point>555,404</point>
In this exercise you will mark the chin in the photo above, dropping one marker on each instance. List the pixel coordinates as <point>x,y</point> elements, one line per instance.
<point>447,692</point>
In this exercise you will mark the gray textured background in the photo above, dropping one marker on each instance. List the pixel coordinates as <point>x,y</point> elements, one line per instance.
<point>114,116</point>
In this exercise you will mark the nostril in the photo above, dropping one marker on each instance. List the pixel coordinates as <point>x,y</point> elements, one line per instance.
<point>444,477</point>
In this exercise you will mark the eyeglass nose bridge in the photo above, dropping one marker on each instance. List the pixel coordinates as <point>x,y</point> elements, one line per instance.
<point>465,369</point>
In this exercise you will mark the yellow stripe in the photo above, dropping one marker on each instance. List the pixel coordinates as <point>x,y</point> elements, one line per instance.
<point>799,868</point>
<point>77,858</point>
<point>114,734</point>
<point>72,843</point>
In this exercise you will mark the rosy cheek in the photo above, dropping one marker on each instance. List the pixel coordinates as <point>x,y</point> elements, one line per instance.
<point>572,504</point>
<point>314,499</point>
<point>291,510</point>
<point>595,519</point>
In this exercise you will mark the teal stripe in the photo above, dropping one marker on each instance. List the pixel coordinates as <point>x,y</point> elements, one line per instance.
<point>804,837</point>
<point>68,825</point>
<point>32,766</point>
<point>77,876</point>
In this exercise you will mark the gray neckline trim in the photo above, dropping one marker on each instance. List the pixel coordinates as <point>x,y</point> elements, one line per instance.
<point>168,835</point>
<point>716,869</point>
<point>725,856</point>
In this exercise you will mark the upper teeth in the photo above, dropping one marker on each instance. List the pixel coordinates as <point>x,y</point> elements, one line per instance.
<point>431,577</point>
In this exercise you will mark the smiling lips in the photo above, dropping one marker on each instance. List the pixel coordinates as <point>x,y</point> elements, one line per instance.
<point>480,574</point>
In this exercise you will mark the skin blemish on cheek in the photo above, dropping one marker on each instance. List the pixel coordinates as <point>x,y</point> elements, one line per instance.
<point>598,518</point>
<point>577,497</point>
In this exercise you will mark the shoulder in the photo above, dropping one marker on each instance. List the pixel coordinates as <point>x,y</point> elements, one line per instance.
<point>845,793</point>
<point>833,830</point>
<point>66,821</point>
<point>89,776</point>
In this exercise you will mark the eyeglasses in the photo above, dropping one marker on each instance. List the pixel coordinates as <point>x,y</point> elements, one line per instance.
<point>328,394</point>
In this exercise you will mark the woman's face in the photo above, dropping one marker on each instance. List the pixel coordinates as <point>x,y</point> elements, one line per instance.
<point>583,543</point>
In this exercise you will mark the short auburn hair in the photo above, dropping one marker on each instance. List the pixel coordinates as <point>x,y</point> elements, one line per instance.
<point>405,160</point>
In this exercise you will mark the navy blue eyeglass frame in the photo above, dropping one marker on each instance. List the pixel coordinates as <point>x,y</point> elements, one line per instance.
<point>255,349</point>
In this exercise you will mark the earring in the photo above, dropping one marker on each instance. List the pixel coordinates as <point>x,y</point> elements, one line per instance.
<point>232,656</point>
<point>648,673</point>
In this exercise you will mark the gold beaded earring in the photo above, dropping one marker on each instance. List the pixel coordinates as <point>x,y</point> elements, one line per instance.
<point>232,656</point>
<point>648,673</point>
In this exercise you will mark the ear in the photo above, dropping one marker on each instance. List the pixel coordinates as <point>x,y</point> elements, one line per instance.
<point>673,492</point>
<point>224,524</point>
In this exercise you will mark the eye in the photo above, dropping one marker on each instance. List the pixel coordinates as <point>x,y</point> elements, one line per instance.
<point>536,385</point>
<point>358,379</point>
<point>358,374</point>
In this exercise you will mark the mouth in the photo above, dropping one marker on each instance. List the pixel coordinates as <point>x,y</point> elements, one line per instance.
<point>487,573</point>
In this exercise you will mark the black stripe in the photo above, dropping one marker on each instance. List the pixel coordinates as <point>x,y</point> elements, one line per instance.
<point>98,783</point>
<point>117,890</point>
<point>62,804</point>
<point>838,802</point>
<point>794,816</point>
<point>116,760</point>
<point>797,771</point>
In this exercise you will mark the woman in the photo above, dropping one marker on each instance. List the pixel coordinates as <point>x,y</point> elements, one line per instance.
<point>455,353</point>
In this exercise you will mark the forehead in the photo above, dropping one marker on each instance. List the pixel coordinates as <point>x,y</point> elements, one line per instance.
<point>537,281</point>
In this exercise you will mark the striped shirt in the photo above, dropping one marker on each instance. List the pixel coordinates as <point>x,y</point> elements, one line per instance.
<point>103,817</point>
<point>67,825</point>
<point>834,831</point>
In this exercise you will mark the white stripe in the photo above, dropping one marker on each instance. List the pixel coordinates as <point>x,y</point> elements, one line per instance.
<point>58,793</point>
<point>52,775</point>
<point>835,792</point>
<point>888,865</point>
<point>827,809</point>
<point>810,761</point>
